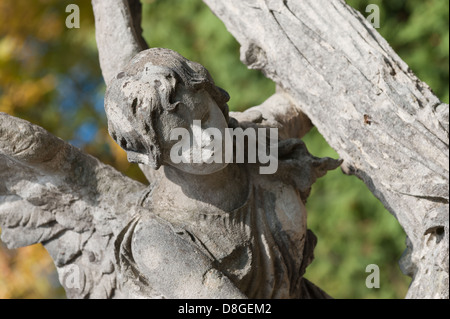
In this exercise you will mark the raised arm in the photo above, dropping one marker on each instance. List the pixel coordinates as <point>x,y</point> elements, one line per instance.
<point>279,111</point>
<point>118,33</point>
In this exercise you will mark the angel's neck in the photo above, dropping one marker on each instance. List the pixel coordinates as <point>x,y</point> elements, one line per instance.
<point>226,189</point>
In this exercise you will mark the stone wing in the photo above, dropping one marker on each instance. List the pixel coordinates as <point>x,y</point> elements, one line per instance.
<point>54,194</point>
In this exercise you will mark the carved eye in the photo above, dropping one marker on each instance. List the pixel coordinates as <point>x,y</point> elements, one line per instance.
<point>134,106</point>
<point>123,143</point>
<point>139,148</point>
<point>173,106</point>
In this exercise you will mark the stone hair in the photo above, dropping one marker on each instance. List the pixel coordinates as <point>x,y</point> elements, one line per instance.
<point>135,98</point>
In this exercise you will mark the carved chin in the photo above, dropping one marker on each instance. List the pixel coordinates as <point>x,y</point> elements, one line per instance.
<point>201,168</point>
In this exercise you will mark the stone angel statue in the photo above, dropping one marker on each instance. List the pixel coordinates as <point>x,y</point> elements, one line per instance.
<point>199,230</point>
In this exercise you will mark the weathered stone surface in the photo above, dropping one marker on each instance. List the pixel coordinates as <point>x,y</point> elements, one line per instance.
<point>52,193</point>
<point>206,230</point>
<point>200,230</point>
<point>112,237</point>
<point>221,219</point>
<point>118,33</point>
<point>387,125</point>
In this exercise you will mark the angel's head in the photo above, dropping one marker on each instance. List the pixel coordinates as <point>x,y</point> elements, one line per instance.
<point>159,91</point>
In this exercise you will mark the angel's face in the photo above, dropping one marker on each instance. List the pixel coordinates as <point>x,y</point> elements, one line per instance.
<point>192,135</point>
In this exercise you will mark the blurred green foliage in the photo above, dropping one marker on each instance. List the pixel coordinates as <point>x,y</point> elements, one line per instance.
<point>353,228</point>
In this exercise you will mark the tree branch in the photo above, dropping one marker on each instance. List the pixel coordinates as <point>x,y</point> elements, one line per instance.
<point>387,125</point>
<point>278,111</point>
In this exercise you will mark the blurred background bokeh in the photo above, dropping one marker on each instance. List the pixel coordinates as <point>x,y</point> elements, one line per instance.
<point>50,76</point>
